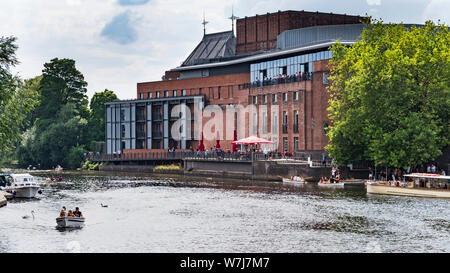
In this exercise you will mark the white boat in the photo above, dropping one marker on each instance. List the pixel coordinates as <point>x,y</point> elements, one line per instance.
<point>300,181</point>
<point>70,222</point>
<point>423,185</point>
<point>23,185</point>
<point>331,185</point>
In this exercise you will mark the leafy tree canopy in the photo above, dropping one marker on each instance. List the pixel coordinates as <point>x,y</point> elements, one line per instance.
<point>16,99</point>
<point>61,83</point>
<point>96,123</point>
<point>390,95</point>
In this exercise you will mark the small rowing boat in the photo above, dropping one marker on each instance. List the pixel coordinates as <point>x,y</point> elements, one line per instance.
<point>70,222</point>
<point>297,180</point>
<point>331,185</point>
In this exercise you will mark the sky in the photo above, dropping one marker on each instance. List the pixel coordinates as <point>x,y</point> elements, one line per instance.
<point>118,43</point>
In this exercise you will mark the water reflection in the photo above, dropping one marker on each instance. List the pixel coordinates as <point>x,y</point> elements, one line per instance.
<point>185,214</point>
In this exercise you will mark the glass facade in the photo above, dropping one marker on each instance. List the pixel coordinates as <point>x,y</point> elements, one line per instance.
<point>286,66</point>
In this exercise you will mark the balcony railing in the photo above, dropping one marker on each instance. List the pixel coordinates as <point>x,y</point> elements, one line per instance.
<point>306,76</point>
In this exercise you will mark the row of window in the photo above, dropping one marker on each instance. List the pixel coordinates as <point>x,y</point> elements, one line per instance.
<point>166,94</point>
<point>296,96</point>
<point>175,93</point>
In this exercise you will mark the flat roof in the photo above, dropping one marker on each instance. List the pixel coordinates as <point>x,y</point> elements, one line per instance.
<point>154,99</point>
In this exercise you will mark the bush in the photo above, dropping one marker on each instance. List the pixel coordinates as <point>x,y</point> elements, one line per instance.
<point>87,165</point>
<point>168,167</point>
<point>74,158</point>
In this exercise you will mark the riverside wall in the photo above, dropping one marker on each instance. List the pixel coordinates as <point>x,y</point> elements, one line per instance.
<point>257,170</point>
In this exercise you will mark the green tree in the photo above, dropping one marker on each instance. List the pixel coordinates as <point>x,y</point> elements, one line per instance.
<point>16,100</point>
<point>61,83</point>
<point>96,124</point>
<point>54,145</point>
<point>390,96</point>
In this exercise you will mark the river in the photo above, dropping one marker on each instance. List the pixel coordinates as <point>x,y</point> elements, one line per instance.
<point>161,214</point>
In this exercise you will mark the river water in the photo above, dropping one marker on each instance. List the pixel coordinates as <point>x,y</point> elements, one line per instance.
<point>161,214</point>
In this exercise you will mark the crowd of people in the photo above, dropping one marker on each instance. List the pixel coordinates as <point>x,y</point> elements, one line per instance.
<point>54,179</point>
<point>282,78</point>
<point>70,213</point>
<point>334,178</point>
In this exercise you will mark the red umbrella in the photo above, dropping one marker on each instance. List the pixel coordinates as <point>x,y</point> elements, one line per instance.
<point>201,147</point>
<point>234,144</point>
<point>217,141</point>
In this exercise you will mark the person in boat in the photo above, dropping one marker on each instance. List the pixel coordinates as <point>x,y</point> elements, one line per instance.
<point>70,214</point>
<point>63,212</point>
<point>77,212</point>
<point>60,179</point>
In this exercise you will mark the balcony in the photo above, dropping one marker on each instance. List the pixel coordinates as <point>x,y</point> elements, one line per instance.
<point>306,76</point>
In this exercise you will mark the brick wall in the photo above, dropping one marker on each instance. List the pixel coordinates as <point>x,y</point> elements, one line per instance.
<point>259,32</point>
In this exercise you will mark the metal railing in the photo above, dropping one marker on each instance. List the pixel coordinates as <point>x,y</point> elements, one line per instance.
<point>305,76</point>
<point>220,155</point>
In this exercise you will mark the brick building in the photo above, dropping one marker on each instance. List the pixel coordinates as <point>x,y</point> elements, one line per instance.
<point>277,64</point>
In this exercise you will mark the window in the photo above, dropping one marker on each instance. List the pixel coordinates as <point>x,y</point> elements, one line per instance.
<point>296,95</point>
<point>157,94</point>
<point>295,121</point>
<point>149,95</point>
<point>285,122</point>
<point>174,93</point>
<point>141,96</point>
<point>265,99</point>
<point>166,94</point>
<point>200,91</point>
<point>122,114</point>
<point>232,91</point>
<point>255,100</point>
<point>212,92</point>
<point>295,143</point>
<point>285,144</point>
<point>264,123</point>
<point>183,92</point>
<point>123,130</point>
<point>157,144</point>
<point>325,78</point>
<point>218,92</point>
<point>285,97</point>
<point>255,123</point>
<point>274,122</point>
<point>274,98</point>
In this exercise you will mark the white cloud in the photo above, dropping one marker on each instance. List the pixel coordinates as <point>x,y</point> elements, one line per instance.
<point>437,10</point>
<point>373,2</point>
